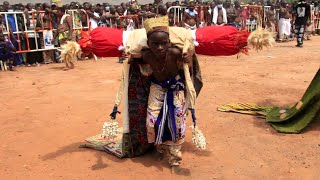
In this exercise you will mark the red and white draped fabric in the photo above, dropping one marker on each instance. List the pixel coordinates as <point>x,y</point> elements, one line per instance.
<point>210,40</point>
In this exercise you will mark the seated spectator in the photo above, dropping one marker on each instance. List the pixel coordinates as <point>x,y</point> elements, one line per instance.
<point>6,51</point>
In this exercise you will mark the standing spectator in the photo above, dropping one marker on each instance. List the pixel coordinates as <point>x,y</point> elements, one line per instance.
<point>65,28</point>
<point>6,5</point>
<point>113,15</point>
<point>252,22</point>
<point>238,9</point>
<point>284,22</point>
<point>12,27</point>
<point>33,58</point>
<point>317,15</point>
<point>201,14</point>
<point>55,24</point>
<point>190,17</point>
<point>210,13</point>
<point>219,15</point>
<point>302,19</point>
<point>120,22</point>
<point>169,4</point>
<point>231,11</point>
<point>93,16</point>
<point>162,10</point>
<point>2,27</point>
<point>271,19</point>
<point>310,26</point>
<point>244,17</point>
<point>21,26</point>
<point>2,9</point>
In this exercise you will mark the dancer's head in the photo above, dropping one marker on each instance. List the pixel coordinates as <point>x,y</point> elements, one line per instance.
<point>158,35</point>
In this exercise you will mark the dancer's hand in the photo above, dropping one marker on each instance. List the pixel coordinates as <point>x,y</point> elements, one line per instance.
<point>194,119</point>
<point>114,112</point>
<point>124,55</point>
<point>186,58</point>
<point>308,23</point>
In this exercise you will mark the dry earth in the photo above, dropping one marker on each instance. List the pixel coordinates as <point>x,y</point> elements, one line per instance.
<point>45,113</point>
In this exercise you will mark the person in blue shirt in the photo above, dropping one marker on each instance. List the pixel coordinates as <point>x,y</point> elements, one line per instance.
<point>12,27</point>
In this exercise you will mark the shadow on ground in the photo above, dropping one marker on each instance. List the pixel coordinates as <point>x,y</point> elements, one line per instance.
<point>150,159</point>
<point>74,148</point>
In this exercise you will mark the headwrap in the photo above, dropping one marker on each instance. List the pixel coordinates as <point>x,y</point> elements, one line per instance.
<point>156,24</point>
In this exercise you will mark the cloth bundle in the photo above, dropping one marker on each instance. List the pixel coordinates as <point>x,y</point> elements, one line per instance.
<point>220,40</point>
<point>106,41</point>
<point>180,37</point>
<point>210,40</point>
<point>85,43</point>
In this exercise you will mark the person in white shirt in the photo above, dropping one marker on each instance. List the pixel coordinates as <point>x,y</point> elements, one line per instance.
<point>219,17</point>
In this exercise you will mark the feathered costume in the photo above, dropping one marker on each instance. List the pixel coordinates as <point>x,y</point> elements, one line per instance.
<point>69,53</point>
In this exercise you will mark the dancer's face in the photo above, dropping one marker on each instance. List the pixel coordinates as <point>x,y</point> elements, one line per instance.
<point>159,43</point>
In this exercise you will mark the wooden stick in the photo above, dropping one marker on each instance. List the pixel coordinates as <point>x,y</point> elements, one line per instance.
<point>1,65</point>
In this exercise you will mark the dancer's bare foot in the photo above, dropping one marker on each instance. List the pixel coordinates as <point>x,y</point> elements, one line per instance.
<point>175,169</point>
<point>180,171</point>
<point>160,156</point>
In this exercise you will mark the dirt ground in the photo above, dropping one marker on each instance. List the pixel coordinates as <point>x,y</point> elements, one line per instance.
<point>46,113</point>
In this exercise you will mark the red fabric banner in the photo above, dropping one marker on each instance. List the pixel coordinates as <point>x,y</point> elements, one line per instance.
<point>221,40</point>
<point>85,43</point>
<point>106,41</point>
<point>213,41</point>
